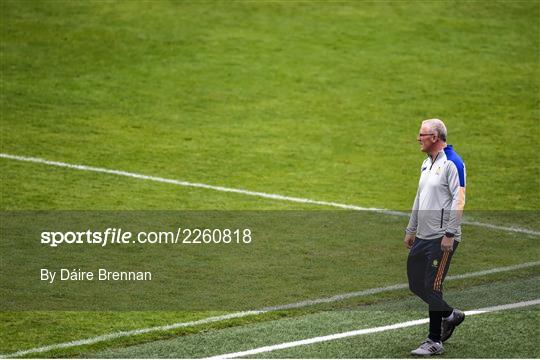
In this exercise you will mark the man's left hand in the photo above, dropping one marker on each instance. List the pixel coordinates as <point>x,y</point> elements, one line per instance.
<point>447,243</point>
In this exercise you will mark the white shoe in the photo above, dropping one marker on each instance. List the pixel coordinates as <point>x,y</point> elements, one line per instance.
<point>428,348</point>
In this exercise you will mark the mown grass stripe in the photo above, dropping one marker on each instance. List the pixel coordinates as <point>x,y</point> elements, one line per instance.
<point>244,192</point>
<point>214,319</point>
<point>378,329</point>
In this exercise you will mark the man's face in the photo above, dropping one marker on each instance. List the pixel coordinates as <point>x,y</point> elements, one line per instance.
<point>427,138</point>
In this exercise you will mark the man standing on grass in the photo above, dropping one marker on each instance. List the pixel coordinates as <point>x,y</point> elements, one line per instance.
<point>434,232</point>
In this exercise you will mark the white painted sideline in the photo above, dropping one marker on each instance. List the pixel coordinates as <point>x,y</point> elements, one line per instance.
<point>372,291</point>
<point>213,319</point>
<point>347,334</point>
<point>245,192</point>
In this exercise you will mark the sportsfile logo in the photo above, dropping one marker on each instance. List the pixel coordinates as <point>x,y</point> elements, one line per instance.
<point>111,235</point>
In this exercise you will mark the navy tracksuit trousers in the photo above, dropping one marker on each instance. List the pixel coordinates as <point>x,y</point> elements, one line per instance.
<point>427,266</point>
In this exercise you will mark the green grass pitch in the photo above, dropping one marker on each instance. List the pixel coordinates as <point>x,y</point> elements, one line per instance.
<point>318,100</point>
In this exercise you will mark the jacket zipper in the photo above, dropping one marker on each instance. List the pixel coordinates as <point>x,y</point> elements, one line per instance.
<point>433,162</point>
<point>442,217</point>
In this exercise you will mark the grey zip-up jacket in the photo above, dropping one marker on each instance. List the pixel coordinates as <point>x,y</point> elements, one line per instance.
<point>440,198</point>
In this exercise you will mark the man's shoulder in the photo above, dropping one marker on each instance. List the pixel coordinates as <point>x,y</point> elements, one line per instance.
<point>453,156</point>
<point>454,161</point>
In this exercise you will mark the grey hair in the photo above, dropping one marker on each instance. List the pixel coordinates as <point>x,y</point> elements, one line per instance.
<point>437,126</point>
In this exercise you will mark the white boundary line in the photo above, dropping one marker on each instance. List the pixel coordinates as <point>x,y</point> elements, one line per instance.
<point>347,334</point>
<point>373,291</point>
<point>213,319</point>
<point>244,192</point>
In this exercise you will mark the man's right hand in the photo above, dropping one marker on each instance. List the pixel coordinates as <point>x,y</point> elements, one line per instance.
<point>408,241</point>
